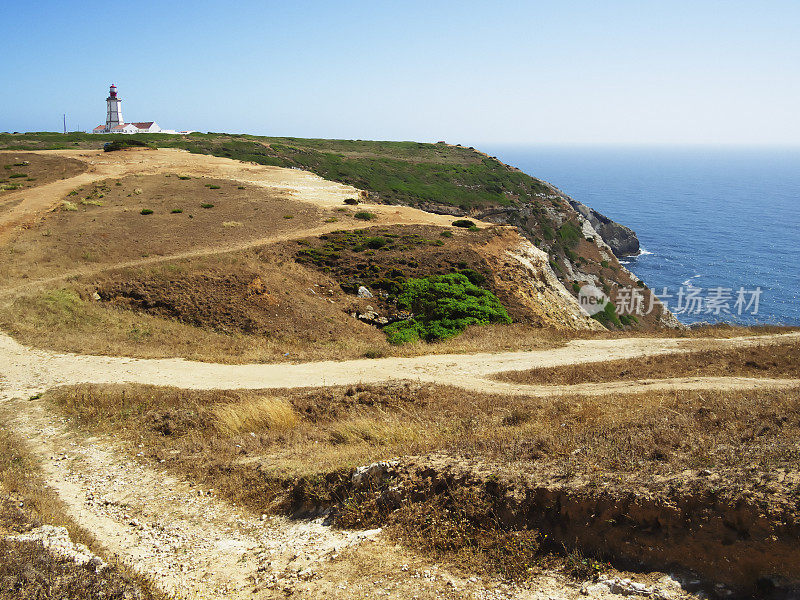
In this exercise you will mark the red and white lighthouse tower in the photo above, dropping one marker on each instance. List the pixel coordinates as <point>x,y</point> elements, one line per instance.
<point>114,112</point>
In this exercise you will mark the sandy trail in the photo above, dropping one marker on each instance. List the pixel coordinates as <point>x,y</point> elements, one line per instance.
<point>32,369</point>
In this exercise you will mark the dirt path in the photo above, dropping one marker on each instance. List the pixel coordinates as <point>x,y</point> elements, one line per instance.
<point>195,545</point>
<point>22,367</point>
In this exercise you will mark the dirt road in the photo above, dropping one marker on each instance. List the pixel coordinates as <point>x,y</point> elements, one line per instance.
<point>29,369</point>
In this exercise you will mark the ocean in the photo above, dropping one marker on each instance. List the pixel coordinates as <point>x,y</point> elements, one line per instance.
<point>719,228</point>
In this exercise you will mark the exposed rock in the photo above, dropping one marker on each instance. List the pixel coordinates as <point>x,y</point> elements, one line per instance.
<point>372,474</point>
<point>621,239</point>
<point>363,292</point>
<point>57,541</point>
<point>522,274</point>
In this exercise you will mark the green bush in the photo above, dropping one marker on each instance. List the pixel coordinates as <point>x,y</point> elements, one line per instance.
<point>570,235</point>
<point>123,144</point>
<point>206,206</point>
<point>608,316</point>
<point>465,223</point>
<point>176,211</point>
<point>443,306</point>
<point>376,242</point>
<point>365,215</point>
<point>147,211</point>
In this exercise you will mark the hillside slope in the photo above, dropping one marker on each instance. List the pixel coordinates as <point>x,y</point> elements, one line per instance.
<point>441,178</point>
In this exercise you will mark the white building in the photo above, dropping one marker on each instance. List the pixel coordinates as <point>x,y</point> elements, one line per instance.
<point>116,124</point>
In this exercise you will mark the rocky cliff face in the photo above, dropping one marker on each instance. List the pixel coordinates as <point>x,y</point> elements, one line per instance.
<point>622,240</point>
<point>582,247</point>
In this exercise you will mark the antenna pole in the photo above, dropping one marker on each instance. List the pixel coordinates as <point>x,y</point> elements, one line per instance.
<point>65,123</point>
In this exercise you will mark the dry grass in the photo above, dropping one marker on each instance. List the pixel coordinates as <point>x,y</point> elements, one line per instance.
<point>340,428</point>
<point>38,168</point>
<point>297,325</point>
<point>254,414</point>
<point>106,220</point>
<point>631,444</point>
<point>28,571</point>
<point>768,360</point>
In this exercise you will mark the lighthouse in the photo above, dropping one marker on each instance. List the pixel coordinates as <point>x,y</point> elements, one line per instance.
<point>115,123</point>
<point>114,112</point>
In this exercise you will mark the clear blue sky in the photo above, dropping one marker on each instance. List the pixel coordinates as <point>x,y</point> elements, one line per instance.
<point>616,72</point>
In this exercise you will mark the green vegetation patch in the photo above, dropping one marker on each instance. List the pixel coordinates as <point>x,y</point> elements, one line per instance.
<point>569,234</point>
<point>443,306</point>
<point>608,316</point>
<point>123,144</point>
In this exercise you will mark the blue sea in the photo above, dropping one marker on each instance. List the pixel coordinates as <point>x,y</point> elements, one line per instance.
<point>709,221</point>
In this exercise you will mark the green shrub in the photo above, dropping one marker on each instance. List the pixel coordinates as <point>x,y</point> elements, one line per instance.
<point>608,316</point>
<point>365,215</point>
<point>351,201</point>
<point>474,277</point>
<point>184,177</point>
<point>206,206</point>
<point>288,216</point>
<point>465,223</point>
<point>176,211</point>
<point>123,144</point>
<point>211,186</point>
<point>447,234</point>
<point>147,211</point>
<point>16,175</point>
<point>443,306</point>
<point>376,242</point>
<point>570,234</point>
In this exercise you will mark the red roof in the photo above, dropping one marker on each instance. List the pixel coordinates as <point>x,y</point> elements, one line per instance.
<point>99,127</point>
<point>144,125</point>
